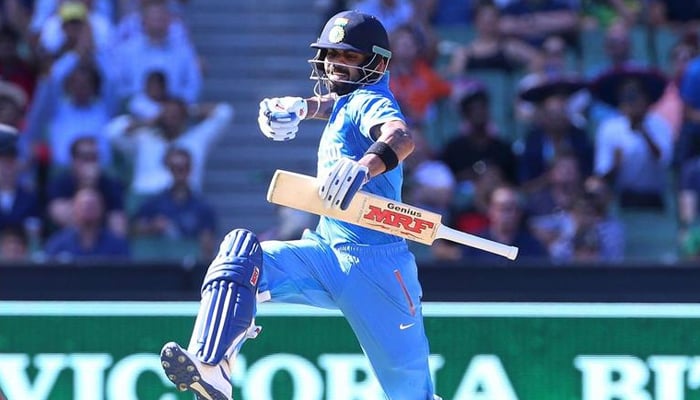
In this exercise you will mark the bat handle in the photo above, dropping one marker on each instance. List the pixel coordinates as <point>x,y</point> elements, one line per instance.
<point>509,252</point>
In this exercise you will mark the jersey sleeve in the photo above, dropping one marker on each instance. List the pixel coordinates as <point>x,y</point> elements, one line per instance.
<point>376,110</point>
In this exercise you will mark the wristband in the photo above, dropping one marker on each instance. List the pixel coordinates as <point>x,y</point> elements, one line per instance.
<point>385,153</point>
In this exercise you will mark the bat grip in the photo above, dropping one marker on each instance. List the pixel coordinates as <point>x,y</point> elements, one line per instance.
<point>467,239</point>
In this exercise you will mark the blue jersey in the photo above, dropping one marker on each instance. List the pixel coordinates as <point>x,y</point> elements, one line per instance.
<point>347,134</point>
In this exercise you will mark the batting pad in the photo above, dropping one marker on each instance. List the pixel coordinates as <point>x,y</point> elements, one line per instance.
<point>227,308</point>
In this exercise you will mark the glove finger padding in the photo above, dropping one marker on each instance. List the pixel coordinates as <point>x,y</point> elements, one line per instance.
<point>344,180</point>
<point>292,105</point>
<point>275,122</point>
<point>329,189</point>
<point>274,131</point>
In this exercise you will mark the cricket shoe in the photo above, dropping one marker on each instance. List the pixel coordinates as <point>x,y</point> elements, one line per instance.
<point>207,382</point>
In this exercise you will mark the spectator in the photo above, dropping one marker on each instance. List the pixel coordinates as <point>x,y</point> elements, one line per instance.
<point>577,238</point>
<point>689,187</point>
<point>178,213</point>
<point>14,245</point>
<point>552,132</point>
<point>670,106</point>
<point>535,20</point>
<point>586,246</point>
<point>328,8</point>
<point>131,24</point>
<point>13,67</point>
<point>592,234</point>
<point>127,7</point>
<point>563,213</point>
<point>617,49</point>
<point>550,207</point>
<point>156,50</point>
<point>554,66</point>
<point>690,244</point>
<point>73,20</point>
<point>147,105</point>
<point>610,229</point>
<point>602,14</point>
<point>470,209</point>
<point>618,54</point>
<point>76,99</point>
<point>423,24</point>
<point>490,49</point>
<point>391,13</point>
<point>430,183</point>
<point>147,141</point>
<point>45,9</point>
<point>85,172</point>
<point>88,238</point>
<point>17,201</point>
<point>505,226</point>
<point>633,150</point>
<point>16,15</point>
<point>451,12</point>
<point>554,61</point>
<point>417,86</point>
<point>681,15</point>
<point>477,142</point>
<point>13,101</point>
<point>687,149</point>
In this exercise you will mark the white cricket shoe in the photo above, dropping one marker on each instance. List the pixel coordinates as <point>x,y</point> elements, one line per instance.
<point>207,382</point>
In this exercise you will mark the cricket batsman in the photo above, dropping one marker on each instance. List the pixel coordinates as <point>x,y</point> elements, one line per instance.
<point>370,276</point>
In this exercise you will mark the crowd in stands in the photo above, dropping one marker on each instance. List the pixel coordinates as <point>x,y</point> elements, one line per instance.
<point>568,128</point>
<point>104,97</point>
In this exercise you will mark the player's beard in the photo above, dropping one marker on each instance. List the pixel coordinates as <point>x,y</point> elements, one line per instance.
<point>338,87</point>
<point>341,88</point>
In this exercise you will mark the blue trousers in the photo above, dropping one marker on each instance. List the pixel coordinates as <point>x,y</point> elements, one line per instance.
<point>377,290</point>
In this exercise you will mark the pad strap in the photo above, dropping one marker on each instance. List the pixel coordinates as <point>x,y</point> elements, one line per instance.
<point>385,153</point>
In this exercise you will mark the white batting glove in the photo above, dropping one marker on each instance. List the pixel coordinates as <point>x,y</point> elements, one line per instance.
<point>279,117</point>
<point>344,180</point>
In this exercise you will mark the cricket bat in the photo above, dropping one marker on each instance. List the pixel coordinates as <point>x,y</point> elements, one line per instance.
<point>299,191</point>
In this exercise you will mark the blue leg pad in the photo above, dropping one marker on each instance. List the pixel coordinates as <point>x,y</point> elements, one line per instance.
<point>227,308</point>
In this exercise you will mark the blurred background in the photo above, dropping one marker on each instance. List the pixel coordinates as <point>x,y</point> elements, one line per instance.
<point>568,128</point>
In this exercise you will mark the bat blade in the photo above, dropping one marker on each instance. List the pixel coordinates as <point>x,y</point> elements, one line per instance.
<point>374,212</point>
<point>299,191</point>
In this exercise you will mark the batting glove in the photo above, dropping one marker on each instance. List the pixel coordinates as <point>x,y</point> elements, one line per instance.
<point>279,117</point>
<point>344,180</point>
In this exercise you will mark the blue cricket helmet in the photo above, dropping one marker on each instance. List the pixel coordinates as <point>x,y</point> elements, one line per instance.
<point>356,31</point>
<point>352,31</point>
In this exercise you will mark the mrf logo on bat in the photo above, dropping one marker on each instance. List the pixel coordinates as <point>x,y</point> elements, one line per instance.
<point>393,216</point>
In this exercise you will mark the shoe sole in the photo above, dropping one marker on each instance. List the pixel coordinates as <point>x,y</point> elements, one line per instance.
<point>182,371</point>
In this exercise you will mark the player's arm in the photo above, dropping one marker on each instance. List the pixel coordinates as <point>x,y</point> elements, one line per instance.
<point>394,134</point>
<point>393,143</point>
<point>320,107</point>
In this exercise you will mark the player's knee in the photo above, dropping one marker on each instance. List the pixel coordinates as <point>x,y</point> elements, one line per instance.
<point>239,260</point>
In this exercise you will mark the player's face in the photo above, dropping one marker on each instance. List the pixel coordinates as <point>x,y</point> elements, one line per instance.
<point>342,69</point>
